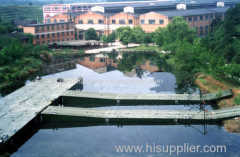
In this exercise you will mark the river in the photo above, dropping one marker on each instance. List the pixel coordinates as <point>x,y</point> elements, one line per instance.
<point>104,73</point>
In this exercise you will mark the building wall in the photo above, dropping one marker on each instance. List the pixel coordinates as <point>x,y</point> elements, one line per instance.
<point>30,30</point>
<point>202,23</point>
<point>89,17</point>
<point>50,33</point>
<point>96,62</point>
<point>148,17</point>
<point>59,18</point>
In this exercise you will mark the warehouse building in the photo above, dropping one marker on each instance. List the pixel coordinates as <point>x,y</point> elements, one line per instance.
<point>137,7</point>
<point>105,23</point>
<point>50,33</point>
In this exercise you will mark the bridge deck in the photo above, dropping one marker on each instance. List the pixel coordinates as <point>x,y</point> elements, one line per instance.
<point>21,106</point>
<point>143,114</point>
<point>160,97</point>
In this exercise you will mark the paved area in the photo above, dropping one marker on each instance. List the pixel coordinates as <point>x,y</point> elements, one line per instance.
<point>115,46</point>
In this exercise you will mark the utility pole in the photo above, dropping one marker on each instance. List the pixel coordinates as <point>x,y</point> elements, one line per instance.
<point>203,108</point>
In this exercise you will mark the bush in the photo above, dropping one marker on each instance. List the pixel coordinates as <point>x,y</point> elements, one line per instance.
<point>237,100</point>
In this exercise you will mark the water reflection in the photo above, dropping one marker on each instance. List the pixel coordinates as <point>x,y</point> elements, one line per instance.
<point>99,141</point>
<point>123,73</point>
<point>135,65</point>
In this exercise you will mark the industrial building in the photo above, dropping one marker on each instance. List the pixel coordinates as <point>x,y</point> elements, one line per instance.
<point>51,33</point>
<point>105,21</point>
<point>137,7</point>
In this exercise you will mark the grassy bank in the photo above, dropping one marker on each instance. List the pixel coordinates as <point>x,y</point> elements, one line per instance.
<point>209,84</point>
<point>14,75</point>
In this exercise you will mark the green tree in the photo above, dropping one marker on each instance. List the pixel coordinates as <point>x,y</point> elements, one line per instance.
<point>137,35</point>
<point>177,30</point>
<point>125,35</point>
<point>147,39</point>
<point>91,34</point>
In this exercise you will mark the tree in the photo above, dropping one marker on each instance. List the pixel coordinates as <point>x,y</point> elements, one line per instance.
<point>91,34</point>
<point>147,38</point>
<point>137,35</point>
<point>109,38</point>
<point>125,35</point>
<point>177,30</point>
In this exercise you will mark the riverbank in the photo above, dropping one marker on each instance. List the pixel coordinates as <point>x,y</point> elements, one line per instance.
<point>210,84</point>
<point>14,75</point>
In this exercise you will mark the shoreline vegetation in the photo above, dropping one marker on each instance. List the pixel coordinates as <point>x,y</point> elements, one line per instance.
<point>208,83</point>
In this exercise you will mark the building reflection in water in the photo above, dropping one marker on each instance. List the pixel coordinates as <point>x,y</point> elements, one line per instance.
<point>102,63</point>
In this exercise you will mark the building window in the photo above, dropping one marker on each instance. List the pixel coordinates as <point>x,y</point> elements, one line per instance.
<point>48,28</point>
<point>130,21</point>
<point>195,18</point>
<point>102,60</point>
<point>71,33</point>
<point>53,35</point>
<point>62,26</point>
<point>142,22</point>
<point>122,21</point>
<point>62,20</point>
<point>58,34</point>
<point>68,26</point>
<point>62,33</point>
<point>42,28</point>
<point>37,29</point>
<point>113,21</point>
<point>48,21</point>
<point>90,21</point>
<point>37,36</point>
<point>100,21</point>
<point>206,17</point>
<point>92,59</point>
<point>211,16</point>
<point>161,22</point>
<point>67,33</point>
<point>58,27</point>
<point>151,22</point>
<point>190,19</point>
<point>42,36</point>
<point>80,21</point>
<point>55,21</point>
<point>201,30</point>
<point>48,36</point>
<point>206,29</point>
<point>201,18</point>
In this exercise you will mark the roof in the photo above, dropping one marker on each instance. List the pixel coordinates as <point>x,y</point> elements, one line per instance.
<point>44,24</point>
<point>192,12</point>
<point>164,4</point>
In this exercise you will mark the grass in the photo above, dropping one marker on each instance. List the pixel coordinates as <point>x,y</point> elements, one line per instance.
<point>203,81</point>
<point>145,48</point>
<point>66,52</point>
<point>237,100</point>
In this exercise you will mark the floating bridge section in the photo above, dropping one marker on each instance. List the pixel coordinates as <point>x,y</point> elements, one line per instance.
<point>20,107</point>
<point>151,97</point>
<point>98,114</point>
<point>213,115</point>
